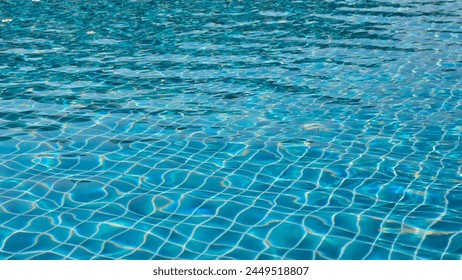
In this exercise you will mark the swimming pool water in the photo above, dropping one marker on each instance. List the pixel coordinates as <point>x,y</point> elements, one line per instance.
<point>230,129</point>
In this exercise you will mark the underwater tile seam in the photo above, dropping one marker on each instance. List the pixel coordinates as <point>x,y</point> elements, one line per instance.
<point>296,130</point>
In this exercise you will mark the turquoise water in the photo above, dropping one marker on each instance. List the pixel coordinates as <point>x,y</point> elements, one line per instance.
<point>230,129</point>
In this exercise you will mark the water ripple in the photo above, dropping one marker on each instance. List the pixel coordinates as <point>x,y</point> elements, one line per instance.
<point>230,130</point>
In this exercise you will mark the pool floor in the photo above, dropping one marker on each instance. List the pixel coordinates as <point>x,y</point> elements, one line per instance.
<point>231,130</point>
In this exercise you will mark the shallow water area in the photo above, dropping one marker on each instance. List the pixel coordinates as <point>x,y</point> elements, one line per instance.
<point>230,129</point>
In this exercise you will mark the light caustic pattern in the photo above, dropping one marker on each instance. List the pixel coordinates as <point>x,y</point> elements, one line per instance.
<point>230,130</point>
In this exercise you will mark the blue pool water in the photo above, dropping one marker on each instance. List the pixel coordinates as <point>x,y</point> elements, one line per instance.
<point>231,129</point>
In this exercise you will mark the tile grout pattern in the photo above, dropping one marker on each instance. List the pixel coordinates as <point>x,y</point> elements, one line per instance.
<point>230,130</point>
